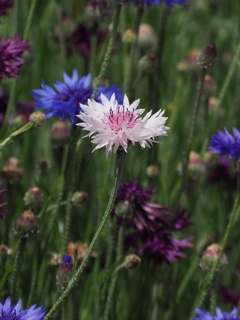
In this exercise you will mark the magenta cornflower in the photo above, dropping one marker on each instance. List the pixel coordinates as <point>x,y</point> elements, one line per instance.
<point>11,61</point>
<point>116,125</point>
<point>4,6</point>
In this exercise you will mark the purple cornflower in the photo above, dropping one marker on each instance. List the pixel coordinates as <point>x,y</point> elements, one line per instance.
<point>64,102</point>
<point>145,216</point>
<point>227,295</point>
<point>220,315</point>
<point>9,312</point>
<point>81,38</point>
<point>154,224</point>
<point>168,3</point>
<point>226,144</point>
<point>11,51</point>
<point>4,6</point>
<point>164,248</point>
<point>2,192</point>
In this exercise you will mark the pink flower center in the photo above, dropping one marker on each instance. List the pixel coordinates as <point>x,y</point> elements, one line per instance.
<point>116,119</point>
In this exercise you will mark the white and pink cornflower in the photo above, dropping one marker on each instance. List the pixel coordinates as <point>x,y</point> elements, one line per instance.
<point>115,126</point>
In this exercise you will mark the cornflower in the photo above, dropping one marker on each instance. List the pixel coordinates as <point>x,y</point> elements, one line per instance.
<point>116,125</point>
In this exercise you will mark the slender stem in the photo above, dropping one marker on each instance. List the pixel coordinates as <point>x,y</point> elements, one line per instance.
<point>21,245</point>
<point>213,297</point>
<point>192,129</point>
<point>33,284</point>
<point>28,126</point>
<point>62,43</point>
<point>209,277</point>
<point>109,48</point>
<point>29,19</point>
<point>60,193</point>
<point>114,274</point>
<point>130,60</point>
<point>93,50</point>
<point>118,170</point>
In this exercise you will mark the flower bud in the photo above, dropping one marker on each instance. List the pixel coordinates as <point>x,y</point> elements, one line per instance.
<point>12,171</point>
<point>19,120</point>
<point>33,198</point>
<point>4,251</point>
<point>64,27</point>
<point>146,38</point>
<point>37,118</point>
<point>26,225</point>
<point>148,63</point>
<point>208,56</point>
<point>79,198</point>
<point>64,274</point>
<point>129,36</point>
<point>209,86</point>
<point>196,167</point>
<point>190,64</point>
<point>123,209</point>
<point>96,12</point>
<point>132,261</point>
<point>44,165</point>
<point>209,257</point>
<point>212,104</point>
<point>152,171</point>
<point>60,133</point>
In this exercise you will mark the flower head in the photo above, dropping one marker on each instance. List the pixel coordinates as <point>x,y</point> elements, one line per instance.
<point>226,144</point>
<point>165,248</point>
<point>168,3</point>
<point>65,99</point>
<point>9,312</point>
<point>220,315</point>
<point>80,39</point>
<point>4,6</point>
<point>144,216</point>
<point>227,295</point>
<point>11,51</point>
<point>116,125</point>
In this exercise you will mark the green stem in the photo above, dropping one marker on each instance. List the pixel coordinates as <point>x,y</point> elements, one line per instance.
<point>109,49</point>
<point>209,277</point>
<point>60,193</point>
<point>213,298</point>
<point>28,126</point>
<point>21,245</point>
<point>192,129</point>
<point>33,284</point>
<point>93,50</point>
<point>62,43</point>
<point>29,19</point>
<point>130,60</point>
<point>118,170</point>
<point>114,274</point>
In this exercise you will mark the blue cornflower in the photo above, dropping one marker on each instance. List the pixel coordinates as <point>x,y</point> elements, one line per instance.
<point>64,101</point>
<point>220,315</point>
<point>169,3</point>
<point>8,312</point>
<point>66,260</point>
<point>226,144</point>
